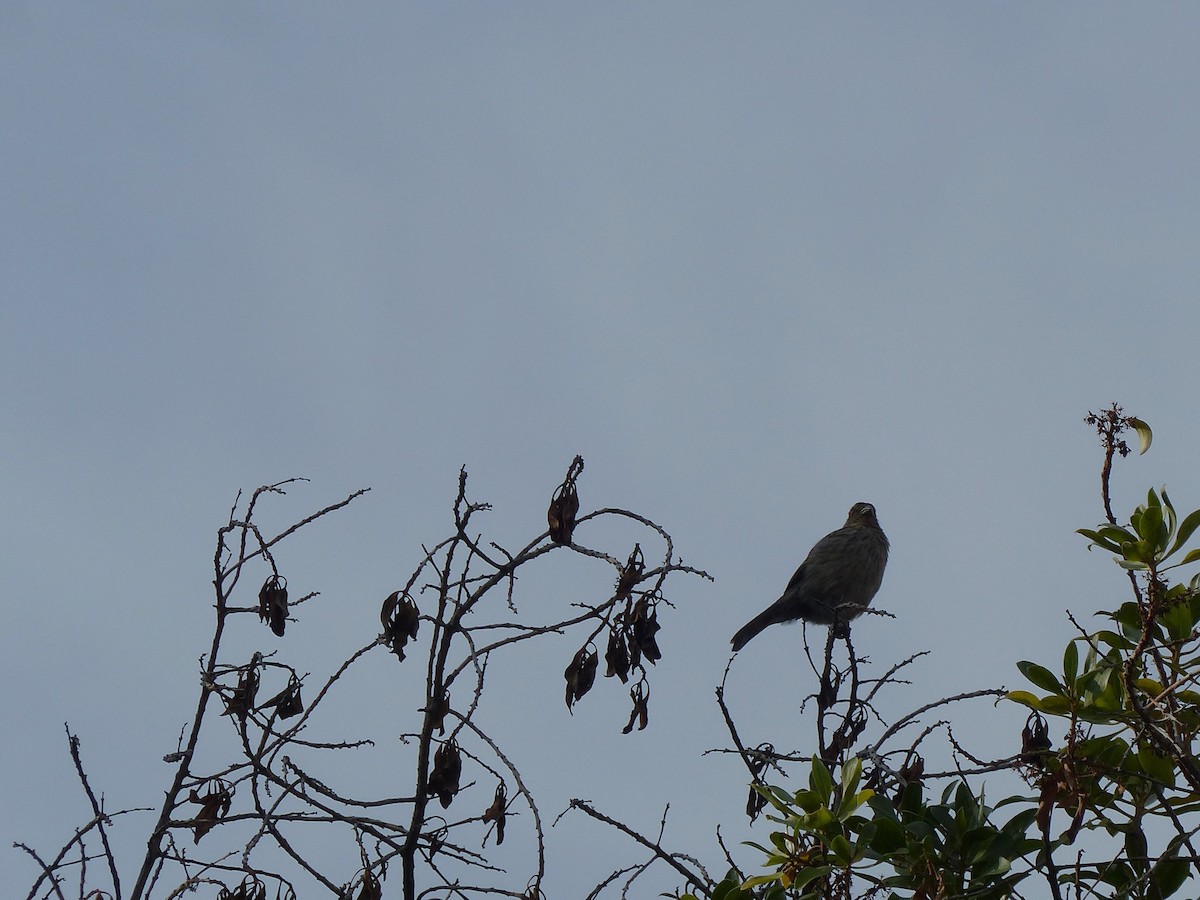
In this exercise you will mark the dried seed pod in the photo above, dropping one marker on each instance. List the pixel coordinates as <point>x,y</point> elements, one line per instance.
<point>497,813</point>
<point>250,889</point>
<point>370,888</point>
<point>631,573</point>
<point>1035,740</point>
<point>754,804</point>
<point>640,694</point>
<point>214,804</point>
<point>447,770</point>
<point>616,657</point>
<point>911,772</point>
<point>644,625</point>
<point>401,619</point>
<point>580,674</point>
<point>564,505</point>
<point>438,710</point>
<point>241,701</point>
<point>273,603</point>
<point>757,761</point>
<point>287,702</point>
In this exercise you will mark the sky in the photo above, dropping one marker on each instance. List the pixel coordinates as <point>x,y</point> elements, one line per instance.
<point>753,263</point>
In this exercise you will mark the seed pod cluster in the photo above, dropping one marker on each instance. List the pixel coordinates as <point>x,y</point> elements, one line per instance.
<point>581,674</point>
<point>250,889</point>
<point>564,505</point>
<point>447,770</point>
<point>401,619</point>
<point>616,657</point>
<point>273,603</point>
<point>632,638</point>
<point>642,623</point>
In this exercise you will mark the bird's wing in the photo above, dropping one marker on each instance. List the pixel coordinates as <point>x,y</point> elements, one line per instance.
<point>797,579</point>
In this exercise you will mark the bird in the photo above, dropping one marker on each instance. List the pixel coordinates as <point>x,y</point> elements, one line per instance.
<point>837,580</point>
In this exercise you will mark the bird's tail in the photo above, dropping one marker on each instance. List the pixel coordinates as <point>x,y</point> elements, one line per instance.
<point>768,616</point>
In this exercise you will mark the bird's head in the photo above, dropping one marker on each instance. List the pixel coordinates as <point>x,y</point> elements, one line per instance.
<point>862,514</point>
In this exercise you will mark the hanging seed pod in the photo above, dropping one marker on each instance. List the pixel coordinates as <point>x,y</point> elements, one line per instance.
<point>287,702</point>
<point>644,623</point>
<point>370,889</point>
<point>447,770</point>
<point>616,657</point>
<point>401,619</point>
<point>564,505</point>
<point>241,701</point>
<point>273,603</point>
<point>640,695</point>
<point>214,804</point>
<point>1035,740</point>
<point>497,813</point>
<point>580,674</point>
<point>631,573</point>
<point>438,711</point>
<point>757,761</point>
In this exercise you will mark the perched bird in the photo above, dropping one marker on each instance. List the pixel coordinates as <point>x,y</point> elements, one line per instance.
<point>837,579</point>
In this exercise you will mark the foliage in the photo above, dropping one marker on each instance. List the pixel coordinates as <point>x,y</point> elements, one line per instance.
<point>1112,812</point>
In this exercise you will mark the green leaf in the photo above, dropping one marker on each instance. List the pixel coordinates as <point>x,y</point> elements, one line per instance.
<point>1055,705</point>
<point>1040,676</point>
<point>1160,768</point>
<point>888,837</point>
<point>851,773</point>
<point>1024,698</point>
<point>1178,621</point>
<point>852,802</point>
<point>1152,529</point>
<point>1167,876</point>
<point>755,880</point>
<point>820,781</point>
<point>1099,540</point>
<point>1149,686</point>
<point>1114,640</point>
<point>1169,511</point>
<point>1188,527</point>
<point>1191,557</point>
<point>807,801</point>
<point>810,874</point>
<point>818,821</point>
<point>1070,663</point>
<point>1129,617</point>
<point>1136,850</point>
<point>843,854</point>
<point>1145,435</point>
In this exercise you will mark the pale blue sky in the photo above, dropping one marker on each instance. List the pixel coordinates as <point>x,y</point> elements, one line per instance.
<point>754,263</point>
